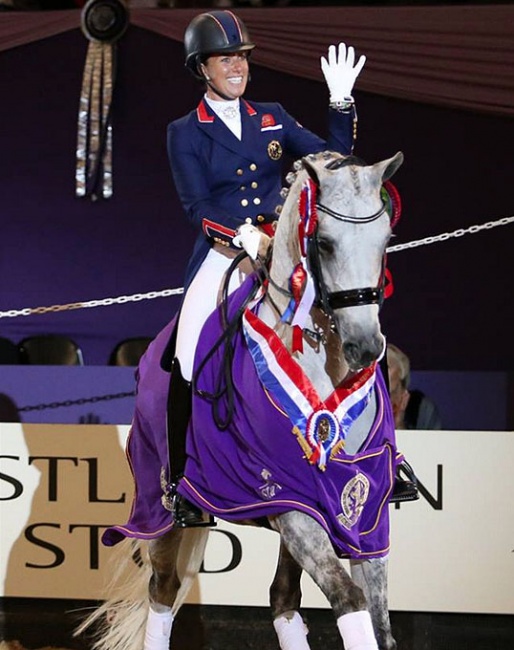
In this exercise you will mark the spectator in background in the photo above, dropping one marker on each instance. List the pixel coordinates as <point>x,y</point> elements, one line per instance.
<point>412,409</point>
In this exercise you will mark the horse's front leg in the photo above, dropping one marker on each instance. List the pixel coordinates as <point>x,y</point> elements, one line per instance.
<point>285,597</point>
<point>371,576</point>
<point>309,544</point>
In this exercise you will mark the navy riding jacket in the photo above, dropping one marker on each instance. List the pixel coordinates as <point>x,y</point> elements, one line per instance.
<point>223,181</point>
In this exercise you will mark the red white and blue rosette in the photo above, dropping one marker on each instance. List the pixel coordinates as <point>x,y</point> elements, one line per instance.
<point>320,425</point>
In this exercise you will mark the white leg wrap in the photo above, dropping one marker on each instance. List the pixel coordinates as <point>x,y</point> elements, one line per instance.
<point>291,631</point>
<point>158,630</point>
<point>356,631</point>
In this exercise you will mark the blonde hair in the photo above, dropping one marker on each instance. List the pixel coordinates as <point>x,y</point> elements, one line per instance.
<point>396,356</point>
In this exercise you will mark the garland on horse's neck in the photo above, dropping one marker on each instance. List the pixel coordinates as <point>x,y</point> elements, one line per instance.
<point>300,291</point>
<point>301,283</point>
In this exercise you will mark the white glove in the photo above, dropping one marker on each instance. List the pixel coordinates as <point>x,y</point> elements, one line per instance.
<point>249,238</point>
<point>340,72</point>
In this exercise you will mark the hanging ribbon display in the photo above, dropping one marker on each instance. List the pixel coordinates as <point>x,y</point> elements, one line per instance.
<point>103,22</point>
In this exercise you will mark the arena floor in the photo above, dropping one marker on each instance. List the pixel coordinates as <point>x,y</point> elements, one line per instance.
<point>37,624</point>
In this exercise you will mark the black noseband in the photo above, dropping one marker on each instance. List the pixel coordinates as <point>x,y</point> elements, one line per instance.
<point>355,297</point>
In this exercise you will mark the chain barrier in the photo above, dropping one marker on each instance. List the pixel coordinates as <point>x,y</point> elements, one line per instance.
<point>76,402</point>
<point>104,302</point>
<point>472,230</point>
<point>165,293</point>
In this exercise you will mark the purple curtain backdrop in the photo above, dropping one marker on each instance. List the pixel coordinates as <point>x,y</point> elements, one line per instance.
<point>450,309</point>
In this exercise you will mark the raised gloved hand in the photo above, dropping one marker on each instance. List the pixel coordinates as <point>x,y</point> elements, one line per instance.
<point>341,71</point>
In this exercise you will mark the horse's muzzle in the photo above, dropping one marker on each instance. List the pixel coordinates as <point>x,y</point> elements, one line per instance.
<point>360,353</point>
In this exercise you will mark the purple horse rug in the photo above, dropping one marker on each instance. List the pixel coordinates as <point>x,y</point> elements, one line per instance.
<point>283,448</point>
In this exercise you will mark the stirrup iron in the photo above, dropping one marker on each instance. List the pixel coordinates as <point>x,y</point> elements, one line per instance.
<point>188,515</point>
<point>405,489</point>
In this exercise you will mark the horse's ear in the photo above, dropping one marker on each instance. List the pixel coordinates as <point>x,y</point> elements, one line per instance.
<point>311,170</point>
<point>391,165</point>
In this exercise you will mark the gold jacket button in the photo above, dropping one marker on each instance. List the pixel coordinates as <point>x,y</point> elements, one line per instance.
<point>253,167</point>
<point>260,218</point>
<point>255,185</point>
<point>239,172</point>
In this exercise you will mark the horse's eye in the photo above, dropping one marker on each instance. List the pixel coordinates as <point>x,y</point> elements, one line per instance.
<point>325,246</point>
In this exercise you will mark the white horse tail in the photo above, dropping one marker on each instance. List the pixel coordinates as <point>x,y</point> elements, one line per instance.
<point>119,623</point>
<point>190,557</point>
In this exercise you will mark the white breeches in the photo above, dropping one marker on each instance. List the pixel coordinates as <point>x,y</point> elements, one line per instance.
<point>199,302</point>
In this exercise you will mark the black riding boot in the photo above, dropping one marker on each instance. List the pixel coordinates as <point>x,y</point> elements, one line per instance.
<point>185,513</point>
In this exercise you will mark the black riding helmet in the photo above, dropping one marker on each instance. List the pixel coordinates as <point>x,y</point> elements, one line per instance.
<point>214,32</point>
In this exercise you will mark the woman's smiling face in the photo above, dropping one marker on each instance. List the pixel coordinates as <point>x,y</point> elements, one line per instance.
<point>227,73</point>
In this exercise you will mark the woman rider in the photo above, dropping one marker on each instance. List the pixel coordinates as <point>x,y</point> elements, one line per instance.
<point>226,160</point>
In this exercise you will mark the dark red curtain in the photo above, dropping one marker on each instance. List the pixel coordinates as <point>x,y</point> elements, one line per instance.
<point>452,56</point>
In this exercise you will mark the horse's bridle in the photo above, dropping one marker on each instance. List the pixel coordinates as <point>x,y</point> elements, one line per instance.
<point>347,218</point>
<point>331,300</point>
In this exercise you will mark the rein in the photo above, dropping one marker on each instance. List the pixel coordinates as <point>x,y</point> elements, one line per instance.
<point>222,399</point>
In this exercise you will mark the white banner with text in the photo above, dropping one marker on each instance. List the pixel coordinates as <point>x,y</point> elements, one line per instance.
<point>451,551</point>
